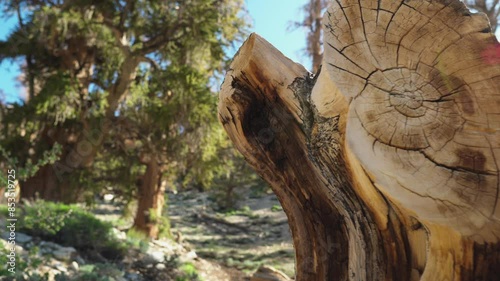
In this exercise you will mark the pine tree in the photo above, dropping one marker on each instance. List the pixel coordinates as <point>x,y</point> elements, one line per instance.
<point>134,75</point>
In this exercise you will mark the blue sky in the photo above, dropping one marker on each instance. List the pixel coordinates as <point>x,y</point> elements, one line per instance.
<point>8,71</point>
<point>270,18</point>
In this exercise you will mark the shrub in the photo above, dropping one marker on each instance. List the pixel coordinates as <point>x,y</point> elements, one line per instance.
<point>138,239</point>
<point>188,273</point>
<point>69,225</point>
<point>23,263</point>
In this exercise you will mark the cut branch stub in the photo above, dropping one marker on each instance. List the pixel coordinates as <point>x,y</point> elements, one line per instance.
<point>386,162</point>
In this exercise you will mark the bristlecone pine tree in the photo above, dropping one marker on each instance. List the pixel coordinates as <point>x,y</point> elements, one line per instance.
<point>387,161</point>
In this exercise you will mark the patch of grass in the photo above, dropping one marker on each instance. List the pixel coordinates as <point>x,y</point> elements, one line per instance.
<point>121,223</point>
<point>188,273</point>
<point>276,208</point>
<point>164,229</point>
<point>244,211</point>
<point>4,212</point>
<point>138,239</point>
<point>95,272</point>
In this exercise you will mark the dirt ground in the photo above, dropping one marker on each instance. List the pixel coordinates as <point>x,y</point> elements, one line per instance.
<point>231,245</point>
<point>255,234</point>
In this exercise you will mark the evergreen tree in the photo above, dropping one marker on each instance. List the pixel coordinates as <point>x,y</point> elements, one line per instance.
<point>127,83</point>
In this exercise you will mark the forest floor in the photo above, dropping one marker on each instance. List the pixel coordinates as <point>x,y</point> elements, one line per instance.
<point>254,234</point>
<point>232,244</point>
<point>220,245</point>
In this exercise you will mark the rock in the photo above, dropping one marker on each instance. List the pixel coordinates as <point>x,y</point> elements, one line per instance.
<point>153,256</point>
<point>65,253</point>
<point>79,260</point>
<point>108,197</point>
<point>61,268</point>
<point>49,245</point>
<point>168,245</point>
<point>131,276</point>
<point>75,265</point>
<point>29,245</point>
<point>19,249</point>
<point>119,234</point>
<point>191,255</point>
<point>160,266</point>
<point>268,273</point>
<point>23,238</point>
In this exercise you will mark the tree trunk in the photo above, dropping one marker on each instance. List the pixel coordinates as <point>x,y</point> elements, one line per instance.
<point>386,162</point>
<point>314,40</point>
<point>150,200</point>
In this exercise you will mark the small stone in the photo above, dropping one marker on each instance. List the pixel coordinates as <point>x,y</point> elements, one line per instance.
<point>191,255</point>
<point>79,260</point>
<point>29,245</point>
<point>75,265</point>
<point>108,197</point>
<point>61,268</point>
<point>160,266</point>
<point>154,256</point>
<point>131,276</point>
<point>65,253</point>
<point>50,245</point>
<point>19,249</point>
<point>119,234</point>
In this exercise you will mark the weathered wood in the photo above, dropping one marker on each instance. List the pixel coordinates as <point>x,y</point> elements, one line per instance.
<point>387,161</point>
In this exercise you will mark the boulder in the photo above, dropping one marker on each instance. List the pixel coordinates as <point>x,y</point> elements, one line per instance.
<point>23,238</point>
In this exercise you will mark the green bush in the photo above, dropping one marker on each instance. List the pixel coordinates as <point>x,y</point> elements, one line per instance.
<point>4,210</point>
<point>69,225</point>
<point>32,260</point>
<point>138,239</point>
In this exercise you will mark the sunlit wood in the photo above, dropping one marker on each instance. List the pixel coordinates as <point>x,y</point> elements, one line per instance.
<point>387,162</point>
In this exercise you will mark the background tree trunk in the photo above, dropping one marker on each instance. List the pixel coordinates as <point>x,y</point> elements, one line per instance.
<point>151,200</point>
<point>386,161</point>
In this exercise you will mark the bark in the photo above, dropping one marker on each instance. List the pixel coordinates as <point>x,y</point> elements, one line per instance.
<point>151,199</point>
<point>386,161</point>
